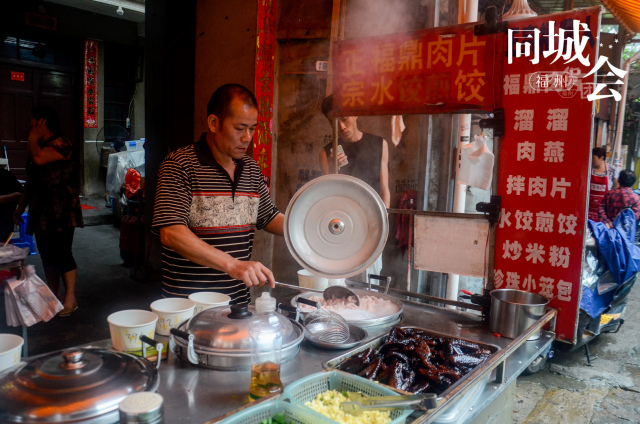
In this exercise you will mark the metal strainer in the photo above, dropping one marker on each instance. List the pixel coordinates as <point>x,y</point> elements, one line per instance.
<point>325,326</point>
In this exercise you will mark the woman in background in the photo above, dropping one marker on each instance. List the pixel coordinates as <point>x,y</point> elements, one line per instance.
<point>52,194</point>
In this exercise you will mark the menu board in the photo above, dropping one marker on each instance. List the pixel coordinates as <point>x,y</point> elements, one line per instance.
<point>544,159</point>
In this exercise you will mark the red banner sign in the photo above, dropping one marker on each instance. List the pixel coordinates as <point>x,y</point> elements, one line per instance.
<point>544,160</point>
<point>90,84</point>
<point>265,62</point>
<point>17,76</point>
<point>436,70</point>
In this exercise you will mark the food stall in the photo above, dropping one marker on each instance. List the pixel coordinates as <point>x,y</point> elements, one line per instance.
<point>202,383</point>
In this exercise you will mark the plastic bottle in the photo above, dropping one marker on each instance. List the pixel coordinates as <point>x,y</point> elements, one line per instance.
<point>265,331</point>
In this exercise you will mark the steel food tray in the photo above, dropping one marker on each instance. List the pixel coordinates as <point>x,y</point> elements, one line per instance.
<point>387,320</point>
<point>378,341</point>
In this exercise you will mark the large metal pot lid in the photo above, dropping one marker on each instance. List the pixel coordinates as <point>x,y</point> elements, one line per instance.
<point>336,226</point>
<point>74,385</point>
<point>226,328</point>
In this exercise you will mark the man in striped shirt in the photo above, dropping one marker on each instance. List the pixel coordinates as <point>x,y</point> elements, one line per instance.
<point>210,199</point>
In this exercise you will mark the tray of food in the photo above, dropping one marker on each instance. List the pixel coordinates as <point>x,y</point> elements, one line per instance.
<point>376,309</point>
<point>412,360</point>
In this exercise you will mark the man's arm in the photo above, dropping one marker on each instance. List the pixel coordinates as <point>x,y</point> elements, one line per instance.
<point>11,198</point>
<point>183,241</point>
<point>385,193</point>
<point>276,226</point>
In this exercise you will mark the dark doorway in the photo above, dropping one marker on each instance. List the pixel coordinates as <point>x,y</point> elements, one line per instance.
<point>21,89</point>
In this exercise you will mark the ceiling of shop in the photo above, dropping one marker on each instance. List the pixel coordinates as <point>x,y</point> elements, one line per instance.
<point>133,9</point>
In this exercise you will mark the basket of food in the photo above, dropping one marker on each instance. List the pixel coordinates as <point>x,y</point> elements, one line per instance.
<point>323,392</point>
<point>276,412</point>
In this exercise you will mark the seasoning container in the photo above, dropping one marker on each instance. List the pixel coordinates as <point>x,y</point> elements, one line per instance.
<point>265,332</point>
<point>142,408</point>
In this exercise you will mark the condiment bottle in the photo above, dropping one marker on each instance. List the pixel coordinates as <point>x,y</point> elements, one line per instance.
<point>265,331</point>
<point>142,408</point>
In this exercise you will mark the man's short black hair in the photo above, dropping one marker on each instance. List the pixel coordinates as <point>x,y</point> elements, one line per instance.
<point>626,178</point>
<point>50,116</point>
<point>220,102</point>
<point>600,152</point>
<point>327,106</point>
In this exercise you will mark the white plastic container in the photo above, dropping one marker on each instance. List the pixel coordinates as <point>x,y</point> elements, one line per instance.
<point>206,300</point>
<point>127,326</point>
<point>172,312</point>
<point>311,281</point>
<point>10,350</point>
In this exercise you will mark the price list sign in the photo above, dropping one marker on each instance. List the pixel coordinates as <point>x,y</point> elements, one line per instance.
<point>544,159</point>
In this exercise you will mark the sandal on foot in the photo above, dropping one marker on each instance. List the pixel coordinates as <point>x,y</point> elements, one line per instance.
<point>68,311</point>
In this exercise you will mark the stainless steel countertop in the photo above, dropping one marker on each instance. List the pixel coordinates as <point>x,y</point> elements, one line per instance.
<point>196,395</point>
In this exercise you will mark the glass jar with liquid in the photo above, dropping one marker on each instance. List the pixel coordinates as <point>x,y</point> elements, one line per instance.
<point>265,331</point>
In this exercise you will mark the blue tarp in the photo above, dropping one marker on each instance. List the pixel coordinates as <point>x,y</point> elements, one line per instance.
<point>620,256</point>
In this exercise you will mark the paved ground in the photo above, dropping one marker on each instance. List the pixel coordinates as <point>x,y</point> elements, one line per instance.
<point>569,391</point>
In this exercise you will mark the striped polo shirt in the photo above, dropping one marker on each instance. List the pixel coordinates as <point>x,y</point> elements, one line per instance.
<point>194,190</point>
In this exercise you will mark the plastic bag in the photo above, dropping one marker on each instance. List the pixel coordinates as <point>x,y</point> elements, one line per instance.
<point>131,182</point>
<point>476,164</point>
<point>11,253</point>
<point>32,298</point>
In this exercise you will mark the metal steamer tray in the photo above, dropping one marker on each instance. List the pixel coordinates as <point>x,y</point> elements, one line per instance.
<point>186,348</point>
<point>387,320</point>
<point>465,399</point>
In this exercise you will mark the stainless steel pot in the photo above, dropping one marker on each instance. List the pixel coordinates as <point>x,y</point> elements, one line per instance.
<point>513,311</point>
<point>73,386</point>
<point>218,338</point>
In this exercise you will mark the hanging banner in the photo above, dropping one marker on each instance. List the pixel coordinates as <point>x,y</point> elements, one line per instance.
<point>90,84</point>
<point>544,159</point>
<point>265,62</point>
<point>437,70</point>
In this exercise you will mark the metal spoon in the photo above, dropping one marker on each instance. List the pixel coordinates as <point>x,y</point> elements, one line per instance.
<point>330,293</point>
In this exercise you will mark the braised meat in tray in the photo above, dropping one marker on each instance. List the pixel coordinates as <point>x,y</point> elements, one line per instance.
<point>414,361</point>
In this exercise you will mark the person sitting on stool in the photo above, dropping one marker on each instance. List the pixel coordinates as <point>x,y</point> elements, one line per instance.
<point>620,198</point>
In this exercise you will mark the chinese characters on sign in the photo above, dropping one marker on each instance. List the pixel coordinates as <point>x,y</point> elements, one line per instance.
<point>265,61</point>
<point>90,84</point>
<point>570,41</point>
<point>429,71</point>
<point>544,159</point>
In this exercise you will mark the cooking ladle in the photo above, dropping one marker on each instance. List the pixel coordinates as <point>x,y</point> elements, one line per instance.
<point>330,293</point>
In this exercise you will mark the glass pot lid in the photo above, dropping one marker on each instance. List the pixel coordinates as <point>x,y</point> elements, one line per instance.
<point>336,226</point>
<point>74,385</point>
<point>227,328</point>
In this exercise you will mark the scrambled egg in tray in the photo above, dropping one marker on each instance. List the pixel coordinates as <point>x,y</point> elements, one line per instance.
<point>328,404</point>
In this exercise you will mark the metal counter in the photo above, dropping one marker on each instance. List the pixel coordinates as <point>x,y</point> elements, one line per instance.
<point>196,395</point>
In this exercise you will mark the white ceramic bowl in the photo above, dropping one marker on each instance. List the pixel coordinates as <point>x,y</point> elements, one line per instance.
<point>172,312</point>
<point>206,300</point>
<point>310,281</point>
<point>10,350</point>
<point>127,326</point>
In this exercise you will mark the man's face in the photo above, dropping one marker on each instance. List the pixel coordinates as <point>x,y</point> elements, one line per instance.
<point>233,135</point>
<point>347,127</point>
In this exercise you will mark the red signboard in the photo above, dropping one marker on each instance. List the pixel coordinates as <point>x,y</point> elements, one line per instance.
<point>544,160</point>
<point>17,76</point>
<point>437,70</point>
<point>265,62</point>
<point>90,84</point>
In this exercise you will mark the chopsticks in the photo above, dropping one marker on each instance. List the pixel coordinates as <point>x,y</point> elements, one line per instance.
<point>8,238</point>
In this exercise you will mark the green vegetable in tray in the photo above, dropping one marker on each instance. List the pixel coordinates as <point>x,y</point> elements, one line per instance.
<point>278,418</point>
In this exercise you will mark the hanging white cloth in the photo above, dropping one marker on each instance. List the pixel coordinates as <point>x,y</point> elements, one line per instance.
<point>476,164</point>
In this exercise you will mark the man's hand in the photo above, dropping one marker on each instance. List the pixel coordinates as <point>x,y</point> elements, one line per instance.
<point>251,273</point>
<point>342,159</point>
